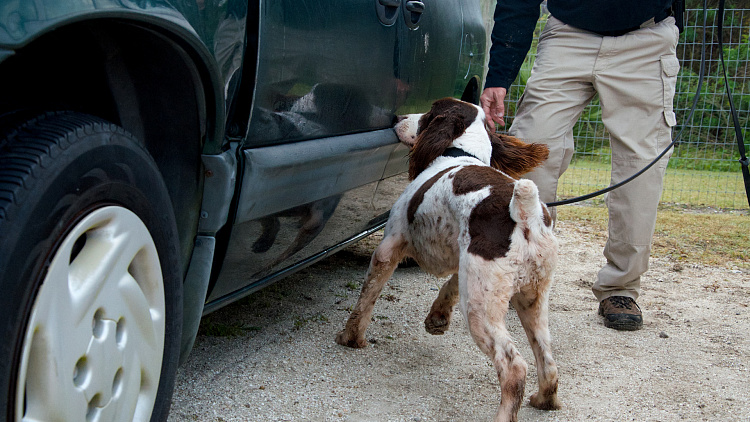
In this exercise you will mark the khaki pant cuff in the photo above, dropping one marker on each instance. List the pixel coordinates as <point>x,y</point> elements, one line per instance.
<point>600,296</point>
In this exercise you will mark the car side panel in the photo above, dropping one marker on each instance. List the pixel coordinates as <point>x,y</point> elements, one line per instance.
<point>319,135</point>
<point>300,199</point>
<point>318,162</point>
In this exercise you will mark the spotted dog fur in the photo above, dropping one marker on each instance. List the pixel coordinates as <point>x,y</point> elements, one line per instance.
<point>467,216</point>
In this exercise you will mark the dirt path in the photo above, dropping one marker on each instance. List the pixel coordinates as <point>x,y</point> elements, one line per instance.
<point>691,360</point>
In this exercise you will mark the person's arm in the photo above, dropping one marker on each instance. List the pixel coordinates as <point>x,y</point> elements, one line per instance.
<point>512,34</point>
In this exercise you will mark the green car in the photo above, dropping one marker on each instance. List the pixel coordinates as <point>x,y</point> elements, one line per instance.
<point>161,159</point>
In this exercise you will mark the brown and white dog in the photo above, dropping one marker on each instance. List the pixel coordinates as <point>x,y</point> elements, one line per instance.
<point>466,215</point>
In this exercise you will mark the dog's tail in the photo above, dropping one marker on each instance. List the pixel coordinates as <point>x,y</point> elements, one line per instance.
<point>525,205</point>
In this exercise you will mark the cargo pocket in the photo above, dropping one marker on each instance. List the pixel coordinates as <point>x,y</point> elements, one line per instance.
<point>670,66</point>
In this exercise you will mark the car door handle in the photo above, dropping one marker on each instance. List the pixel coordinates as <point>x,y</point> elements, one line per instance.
<point>413,10</point>
<point>387,11</point>
<point>415,6</point>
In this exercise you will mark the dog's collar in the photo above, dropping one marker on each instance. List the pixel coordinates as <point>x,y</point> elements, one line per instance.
<point>457,152</point>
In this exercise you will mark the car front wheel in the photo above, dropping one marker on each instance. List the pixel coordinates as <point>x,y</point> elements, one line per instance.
<point>89,274</point>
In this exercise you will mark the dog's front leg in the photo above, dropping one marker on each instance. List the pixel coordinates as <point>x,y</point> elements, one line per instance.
<point>384,261</point>
<point>439,318</point>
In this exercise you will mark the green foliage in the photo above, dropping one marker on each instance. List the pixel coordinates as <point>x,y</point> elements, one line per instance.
<point>708,138</point>
<point>713,4</point>
<point>711,125</point>
<point>691,187</point>
<point>709,239</point>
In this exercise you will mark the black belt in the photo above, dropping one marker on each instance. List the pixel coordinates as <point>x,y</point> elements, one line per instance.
<point>658,18</point>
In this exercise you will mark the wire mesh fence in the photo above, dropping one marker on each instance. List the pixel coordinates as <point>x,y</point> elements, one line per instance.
<point>703,170</point>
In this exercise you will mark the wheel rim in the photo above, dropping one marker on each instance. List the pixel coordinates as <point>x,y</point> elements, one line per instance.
<point>94,343</point>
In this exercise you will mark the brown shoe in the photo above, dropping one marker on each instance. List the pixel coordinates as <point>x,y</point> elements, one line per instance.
<point>621,313</point>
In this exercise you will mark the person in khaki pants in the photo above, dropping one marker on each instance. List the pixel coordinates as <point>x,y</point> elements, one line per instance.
<point>624,51</point>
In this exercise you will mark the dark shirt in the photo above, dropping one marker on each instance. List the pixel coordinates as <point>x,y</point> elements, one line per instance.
<point>515,21</point>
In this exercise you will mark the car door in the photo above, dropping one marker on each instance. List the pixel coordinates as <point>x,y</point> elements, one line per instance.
<point>326,67</point>
<point>319,137</point>
<point>441,49</point>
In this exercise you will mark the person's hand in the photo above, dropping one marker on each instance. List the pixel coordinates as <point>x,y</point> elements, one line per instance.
<point>493,104</point>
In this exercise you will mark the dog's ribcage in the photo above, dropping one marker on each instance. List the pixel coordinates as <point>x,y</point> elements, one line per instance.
<point>435,222</point>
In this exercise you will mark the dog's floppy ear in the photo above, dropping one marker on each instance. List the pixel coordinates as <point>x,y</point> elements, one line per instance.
<point>433,140</point>
<point>515,157</point>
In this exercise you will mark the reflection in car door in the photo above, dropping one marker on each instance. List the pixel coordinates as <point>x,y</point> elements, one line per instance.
<point>429,52</point>
<point>319,136</point>
<point>327,67</point>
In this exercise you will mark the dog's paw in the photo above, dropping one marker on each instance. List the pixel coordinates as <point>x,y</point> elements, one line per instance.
<point>343,338</point>
<point>541,402</point>
<point>437,323</point>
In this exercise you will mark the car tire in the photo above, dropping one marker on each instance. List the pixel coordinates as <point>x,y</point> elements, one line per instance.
<point>90,280</point>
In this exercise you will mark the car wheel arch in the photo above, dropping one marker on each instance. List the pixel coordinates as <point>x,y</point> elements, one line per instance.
<point>176,115</point>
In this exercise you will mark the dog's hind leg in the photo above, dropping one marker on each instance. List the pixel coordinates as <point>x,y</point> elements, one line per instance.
<point>531,307</point>
<point>384,261</point>
<point>439,318</point>
<point>271,227</point>
<point>486,309</point>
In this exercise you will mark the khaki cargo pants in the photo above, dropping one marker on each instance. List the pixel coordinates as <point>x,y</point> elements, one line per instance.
<point>635,76</point>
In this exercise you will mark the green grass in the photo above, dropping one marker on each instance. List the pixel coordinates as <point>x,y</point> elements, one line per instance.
<point>719,239</point>
<point>693,188</point>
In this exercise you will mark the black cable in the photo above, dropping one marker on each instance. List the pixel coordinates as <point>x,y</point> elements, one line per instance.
<point>701,75</point>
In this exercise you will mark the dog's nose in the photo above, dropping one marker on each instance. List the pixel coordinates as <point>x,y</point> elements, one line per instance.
<point>397,119</point>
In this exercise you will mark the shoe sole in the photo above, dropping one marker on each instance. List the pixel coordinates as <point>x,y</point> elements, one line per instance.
<point>623,326</point>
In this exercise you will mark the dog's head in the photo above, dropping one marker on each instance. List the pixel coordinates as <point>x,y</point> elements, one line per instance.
<point>454,123</point>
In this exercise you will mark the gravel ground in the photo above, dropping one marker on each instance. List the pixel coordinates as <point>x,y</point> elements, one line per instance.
<point>272,356</point>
